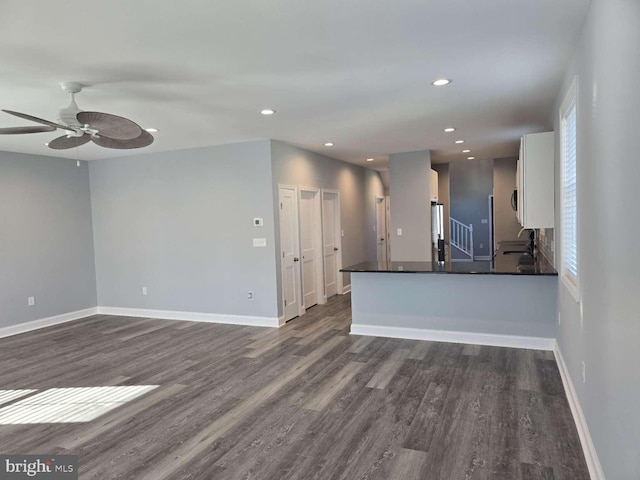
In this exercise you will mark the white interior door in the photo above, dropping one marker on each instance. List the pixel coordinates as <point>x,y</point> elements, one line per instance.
<point>310,246</point>
<point>331,242</point>
<point>289,244</point>
<point>381,229</point>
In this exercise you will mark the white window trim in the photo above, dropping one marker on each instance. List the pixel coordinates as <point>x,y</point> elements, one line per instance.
<point>570,281</point>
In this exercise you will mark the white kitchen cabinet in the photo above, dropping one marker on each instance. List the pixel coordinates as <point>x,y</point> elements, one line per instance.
<point>535,181</point>
<point>433,185</point>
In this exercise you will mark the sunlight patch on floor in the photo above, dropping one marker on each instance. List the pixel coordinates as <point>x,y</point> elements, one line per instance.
<point>9,395</point>
<point>69,405</point>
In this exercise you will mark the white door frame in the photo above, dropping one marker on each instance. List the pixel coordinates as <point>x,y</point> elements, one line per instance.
<point>338,240</point>
<point>317,231</point>
<point>377,201</point>
<point>492,226</point>
<point>387,199</point>
<point>297,280</point>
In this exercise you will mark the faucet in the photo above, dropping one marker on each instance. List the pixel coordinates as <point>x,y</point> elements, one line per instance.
<point>532,236</point>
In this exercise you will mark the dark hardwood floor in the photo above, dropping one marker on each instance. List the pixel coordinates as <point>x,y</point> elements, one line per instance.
<point>306,401</point>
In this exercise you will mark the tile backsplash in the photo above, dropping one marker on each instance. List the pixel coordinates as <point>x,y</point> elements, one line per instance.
<point>546,244</point>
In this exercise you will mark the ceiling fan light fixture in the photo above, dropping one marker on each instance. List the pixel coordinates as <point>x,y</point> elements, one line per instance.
<point>81,127</point>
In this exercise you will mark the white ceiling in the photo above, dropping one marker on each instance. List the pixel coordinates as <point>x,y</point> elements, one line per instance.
<point>353,72</point>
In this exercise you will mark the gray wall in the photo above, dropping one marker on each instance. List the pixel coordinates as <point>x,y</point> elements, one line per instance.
<point>504,182</point>
<point>295,166</point>
<point>493,304</point>
<point>180,223</point>
<point>604,329</point>
<point>410,206</point>
<point>46,244</point>
<point>470,184</point>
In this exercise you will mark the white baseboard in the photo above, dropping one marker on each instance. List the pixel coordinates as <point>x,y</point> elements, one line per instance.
<point>461,260</point>
<point>482,258</point>
<point>192,316</point>
<point>46,322</point>
<point>494,340</point>
<point>346,289</point>
<point>589,449</point>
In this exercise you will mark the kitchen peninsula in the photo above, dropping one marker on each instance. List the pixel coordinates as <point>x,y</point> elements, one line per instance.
<point>488,303</point>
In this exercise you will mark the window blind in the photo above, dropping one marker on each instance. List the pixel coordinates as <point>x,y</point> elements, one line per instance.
<point>569,215</point>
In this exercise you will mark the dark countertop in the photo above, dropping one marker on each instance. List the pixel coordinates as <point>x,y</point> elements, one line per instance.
<point>540,267</point>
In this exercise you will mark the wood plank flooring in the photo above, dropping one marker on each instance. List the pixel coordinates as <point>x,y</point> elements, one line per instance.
<point>306,401</point>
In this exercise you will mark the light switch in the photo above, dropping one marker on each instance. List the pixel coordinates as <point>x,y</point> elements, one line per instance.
<point>484,220</point>
<point>399,231</point>
<point>342,232</point>
<point>259,242</point>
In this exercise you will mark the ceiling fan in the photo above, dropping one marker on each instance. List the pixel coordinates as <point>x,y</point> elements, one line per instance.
<point>103,129</point>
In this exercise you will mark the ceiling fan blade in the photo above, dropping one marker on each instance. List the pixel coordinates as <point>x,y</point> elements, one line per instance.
<point>112,126</point>
<point>143,140</point>
<point>21,130</point>
<point>31,118</point>
<point>64,142</point>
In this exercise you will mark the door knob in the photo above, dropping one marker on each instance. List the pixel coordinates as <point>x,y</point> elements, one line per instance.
<point>335,249</point>
<point>296,259</point>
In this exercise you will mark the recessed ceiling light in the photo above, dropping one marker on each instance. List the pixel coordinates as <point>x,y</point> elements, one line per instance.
<point>441,82</point>
<point>471,158</point>
<point>459,141</point>
<point>328,144</point>
<point>369,159</point>
<point>267,111</point>
<point>466,151</point>
<point>151,130</point>
<point>449,129</point>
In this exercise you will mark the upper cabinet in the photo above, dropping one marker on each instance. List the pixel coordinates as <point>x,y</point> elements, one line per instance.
<point>535,181</point>
<point>433,185</point>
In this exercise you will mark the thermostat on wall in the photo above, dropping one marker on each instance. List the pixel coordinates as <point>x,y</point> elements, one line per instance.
<point>257,222</point>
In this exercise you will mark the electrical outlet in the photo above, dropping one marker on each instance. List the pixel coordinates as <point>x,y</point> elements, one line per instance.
<point>399,231</point>
<point>31,301</point>
<point>482,245</point>
<point>584,372</point>
<point>144,290</point>
<point>250,295</point>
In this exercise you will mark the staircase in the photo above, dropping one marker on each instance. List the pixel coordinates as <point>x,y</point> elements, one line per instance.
<point>461,237</point>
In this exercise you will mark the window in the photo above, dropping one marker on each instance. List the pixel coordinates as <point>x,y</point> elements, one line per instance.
<point>568,192</point>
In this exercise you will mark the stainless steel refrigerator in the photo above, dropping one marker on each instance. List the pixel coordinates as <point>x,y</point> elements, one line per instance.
<point>437,230</point>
